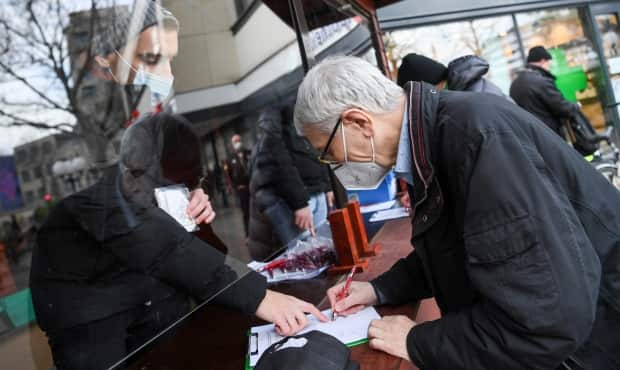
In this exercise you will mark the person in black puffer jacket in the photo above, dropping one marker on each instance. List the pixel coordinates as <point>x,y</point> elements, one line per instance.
<point>288,186</point>
<point>462,74</point>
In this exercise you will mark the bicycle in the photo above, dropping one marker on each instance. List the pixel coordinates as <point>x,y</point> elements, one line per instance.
<point>606,160</point>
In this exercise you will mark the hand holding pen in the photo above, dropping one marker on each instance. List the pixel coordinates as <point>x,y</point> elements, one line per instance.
<point>346,300</point>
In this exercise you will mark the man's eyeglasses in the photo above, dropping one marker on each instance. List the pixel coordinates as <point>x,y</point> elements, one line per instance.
<point>322,157</point>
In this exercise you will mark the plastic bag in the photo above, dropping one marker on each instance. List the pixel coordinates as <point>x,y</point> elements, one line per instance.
<point>306,259</point>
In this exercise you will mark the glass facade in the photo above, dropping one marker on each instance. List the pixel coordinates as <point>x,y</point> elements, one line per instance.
<point>493,39</point>
<point>563,32</point>
<point>499,40</point>
<point>609,29</point>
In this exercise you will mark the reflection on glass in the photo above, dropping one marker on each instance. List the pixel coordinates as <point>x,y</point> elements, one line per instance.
<point>91,266</point>
<point>562,31</point>
<point>610,36</point>
<point>332,22</point>
<point>493,39</point>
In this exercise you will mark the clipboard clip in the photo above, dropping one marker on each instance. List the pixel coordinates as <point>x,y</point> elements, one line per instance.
<point>255,337</point>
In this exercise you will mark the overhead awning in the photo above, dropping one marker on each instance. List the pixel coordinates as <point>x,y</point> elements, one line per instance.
<point>319,13</point>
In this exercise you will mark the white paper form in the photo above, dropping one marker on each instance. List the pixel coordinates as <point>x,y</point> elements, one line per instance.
<point>377,206</point>
<point>174,200</point>
<point>389,214</point>
<point>349,329</point>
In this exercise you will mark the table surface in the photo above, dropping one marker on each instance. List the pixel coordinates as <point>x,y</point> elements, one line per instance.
<point>214,337</point>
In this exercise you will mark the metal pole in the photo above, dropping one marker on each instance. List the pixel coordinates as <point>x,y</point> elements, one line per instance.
<point>609,93</point>
<point>300,42</point>
<point>519,39</point>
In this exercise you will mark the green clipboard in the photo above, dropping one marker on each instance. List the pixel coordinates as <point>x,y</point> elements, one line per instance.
<point>352,344</point>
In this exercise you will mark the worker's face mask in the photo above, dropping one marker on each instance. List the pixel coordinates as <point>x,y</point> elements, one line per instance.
<point>159,86</point>
<point>237,145</point>
<point>359,175</point>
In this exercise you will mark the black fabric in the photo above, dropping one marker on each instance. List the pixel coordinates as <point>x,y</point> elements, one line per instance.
<point>310,351</point>
<point>314,174</point>
<point>416,67</point>
<point>97,345</point>
<point>538,53</point>
<point>76,279</point>
<point>515,235</point>
<point>534,90</point>
<point>585,137</point>
<point>466,74</point>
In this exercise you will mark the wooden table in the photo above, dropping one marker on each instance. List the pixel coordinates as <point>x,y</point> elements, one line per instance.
<point>214,337</point>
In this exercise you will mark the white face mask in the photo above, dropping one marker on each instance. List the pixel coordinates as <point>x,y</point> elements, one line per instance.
<point>237,145</point>
<point>159,86</point>
<point>359,175</point>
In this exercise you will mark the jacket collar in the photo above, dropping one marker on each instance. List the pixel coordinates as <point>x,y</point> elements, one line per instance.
<point>541,71</point>
<point>422,103</point>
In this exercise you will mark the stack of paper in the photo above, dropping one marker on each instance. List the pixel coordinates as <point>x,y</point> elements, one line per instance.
<point>390,214</point>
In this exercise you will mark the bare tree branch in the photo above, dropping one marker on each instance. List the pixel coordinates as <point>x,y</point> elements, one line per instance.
<point>44,40</point>
<point>20,121</point>
<point>8,70</point>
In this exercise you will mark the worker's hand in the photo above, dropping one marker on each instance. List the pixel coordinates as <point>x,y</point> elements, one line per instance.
<point>361,294</point>
<point>404,199</point>
<point>303,219</point>
<point>199,208</point>
<point>389,334</point>
<point>287,312</point>
<point>330,199</point>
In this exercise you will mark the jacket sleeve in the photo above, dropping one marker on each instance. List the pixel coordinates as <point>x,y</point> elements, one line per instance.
<point>555,102</point>
<point>404,282</point>
<point>525,255</point>
<point>163,249</point>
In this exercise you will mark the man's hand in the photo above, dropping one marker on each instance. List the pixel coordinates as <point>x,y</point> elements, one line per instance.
<point>361,294</point>
<point>303,219</point>
<point>286,312</point>
<point>330,199</point>
<point>389,334</point>
<point>199,208</point>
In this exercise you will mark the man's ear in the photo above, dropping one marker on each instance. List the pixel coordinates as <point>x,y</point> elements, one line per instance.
<point>358,119</point>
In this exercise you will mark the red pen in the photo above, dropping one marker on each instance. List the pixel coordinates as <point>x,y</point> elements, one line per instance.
<point>273,265</point>
<point>345,289</point>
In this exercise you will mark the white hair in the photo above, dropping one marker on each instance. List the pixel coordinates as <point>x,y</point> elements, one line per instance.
<point>340,83</point>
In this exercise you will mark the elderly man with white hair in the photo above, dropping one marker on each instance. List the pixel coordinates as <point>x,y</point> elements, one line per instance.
<point>514,234</point>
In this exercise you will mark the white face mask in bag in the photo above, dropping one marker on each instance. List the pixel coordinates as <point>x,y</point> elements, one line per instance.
<point>359,175</point>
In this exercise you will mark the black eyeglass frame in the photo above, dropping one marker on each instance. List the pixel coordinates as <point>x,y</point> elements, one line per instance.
<point>321,157</point>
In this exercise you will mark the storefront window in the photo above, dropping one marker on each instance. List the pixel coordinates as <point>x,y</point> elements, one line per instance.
<point>610,37</point>
<point>493,39</point>
<point>562,32</point>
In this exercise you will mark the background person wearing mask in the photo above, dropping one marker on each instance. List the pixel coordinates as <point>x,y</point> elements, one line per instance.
<point>111,269</point>
<point>238,168</point>
<point>515,235</point>
<point>534,90</point>
<point>462,74</point>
